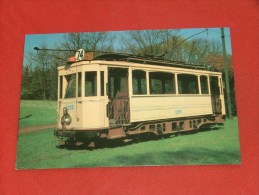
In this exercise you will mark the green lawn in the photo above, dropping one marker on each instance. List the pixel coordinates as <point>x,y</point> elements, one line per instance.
<point>37,151</point>
<point>37,112</point>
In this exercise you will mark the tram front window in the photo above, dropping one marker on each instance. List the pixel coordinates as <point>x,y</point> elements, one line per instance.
<point>71,86</point>
<point>91,83</point>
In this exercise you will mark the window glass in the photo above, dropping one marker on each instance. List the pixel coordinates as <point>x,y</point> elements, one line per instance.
<point>204,85</point>
<point>161,83</point>
<point>79,84</point>
<point>187,84</point>
<point>102,83</point>
<point>139,83</point>
<point>123,87</point>
<point>111,87</point>
<point>117,82</point>
<point>71,86</point>
<point>214,86</point>
<point>60,87</point>
<point>91,83</point>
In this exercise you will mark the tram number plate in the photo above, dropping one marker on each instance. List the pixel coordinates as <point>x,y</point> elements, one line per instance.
<point>70,107</point>
<point>178,111</point>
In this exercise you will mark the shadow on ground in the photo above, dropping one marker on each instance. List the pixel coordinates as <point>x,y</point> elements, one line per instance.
<point>201,155</point>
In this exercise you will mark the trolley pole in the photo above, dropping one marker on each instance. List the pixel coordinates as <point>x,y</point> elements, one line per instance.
<point>226,75</point>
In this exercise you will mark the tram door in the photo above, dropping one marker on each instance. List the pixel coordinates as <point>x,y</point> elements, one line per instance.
<point>215,95</point>
<point>118,94</point>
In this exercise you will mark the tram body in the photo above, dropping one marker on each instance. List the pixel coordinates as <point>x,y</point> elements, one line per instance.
<point>105,99</point>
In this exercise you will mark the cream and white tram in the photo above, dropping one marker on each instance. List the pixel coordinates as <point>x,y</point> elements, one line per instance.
<point>114,96</point>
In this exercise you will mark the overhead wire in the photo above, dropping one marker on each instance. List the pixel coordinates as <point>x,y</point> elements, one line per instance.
<point>217,32</point>
<point>163,54</point>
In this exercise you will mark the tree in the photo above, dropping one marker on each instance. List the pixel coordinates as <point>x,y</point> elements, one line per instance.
<point>147,42</point>
<point>165,43</point>
<point>88,41</point>
<point>43,62</point>
<point>39,75</point>
<point>26,91</point>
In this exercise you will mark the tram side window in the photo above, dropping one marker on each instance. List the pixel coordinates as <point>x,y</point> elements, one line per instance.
<point>91,83</point>
<point>161,83</point>
<point>71,86</point>
<point>139,82</point>
<point>187,84</point>
<point>204,85</point>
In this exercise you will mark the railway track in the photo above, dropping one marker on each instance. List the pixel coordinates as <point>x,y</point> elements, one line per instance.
<point>35,128</point>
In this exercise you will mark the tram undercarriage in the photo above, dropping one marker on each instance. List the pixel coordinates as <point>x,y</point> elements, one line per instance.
<point>158,128</point>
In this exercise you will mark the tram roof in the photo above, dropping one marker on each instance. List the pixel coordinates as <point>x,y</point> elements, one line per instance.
<point>147,59</point>
<point>140,59</point>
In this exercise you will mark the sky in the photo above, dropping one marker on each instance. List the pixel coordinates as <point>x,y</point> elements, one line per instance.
<point>35,40</point>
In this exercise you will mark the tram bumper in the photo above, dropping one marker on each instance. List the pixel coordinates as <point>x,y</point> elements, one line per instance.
<point>62,133</point>
<point>78,135</point>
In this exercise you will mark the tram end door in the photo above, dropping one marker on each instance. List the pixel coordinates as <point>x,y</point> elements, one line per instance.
<point>217,98</point>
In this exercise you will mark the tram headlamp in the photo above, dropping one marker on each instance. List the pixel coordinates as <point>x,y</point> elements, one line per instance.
<point>67,119</point>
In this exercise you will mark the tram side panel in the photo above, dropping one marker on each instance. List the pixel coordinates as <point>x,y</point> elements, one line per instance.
<point>159,107</point>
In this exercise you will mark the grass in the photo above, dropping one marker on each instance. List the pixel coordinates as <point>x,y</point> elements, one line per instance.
<point>37,112</point>
<point>37,151</point>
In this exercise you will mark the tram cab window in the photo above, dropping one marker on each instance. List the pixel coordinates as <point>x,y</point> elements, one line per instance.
<point>139,83</point>
<point>79,84</point>
<point>204,85</point>
<point>161,83</point>
<point>61,87</point>
<point>71,86</point>
<point>70,91</point>
<point>187,84</point>
<point>91,83</point>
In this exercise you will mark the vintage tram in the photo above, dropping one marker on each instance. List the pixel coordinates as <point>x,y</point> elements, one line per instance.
<point>118,96</point>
